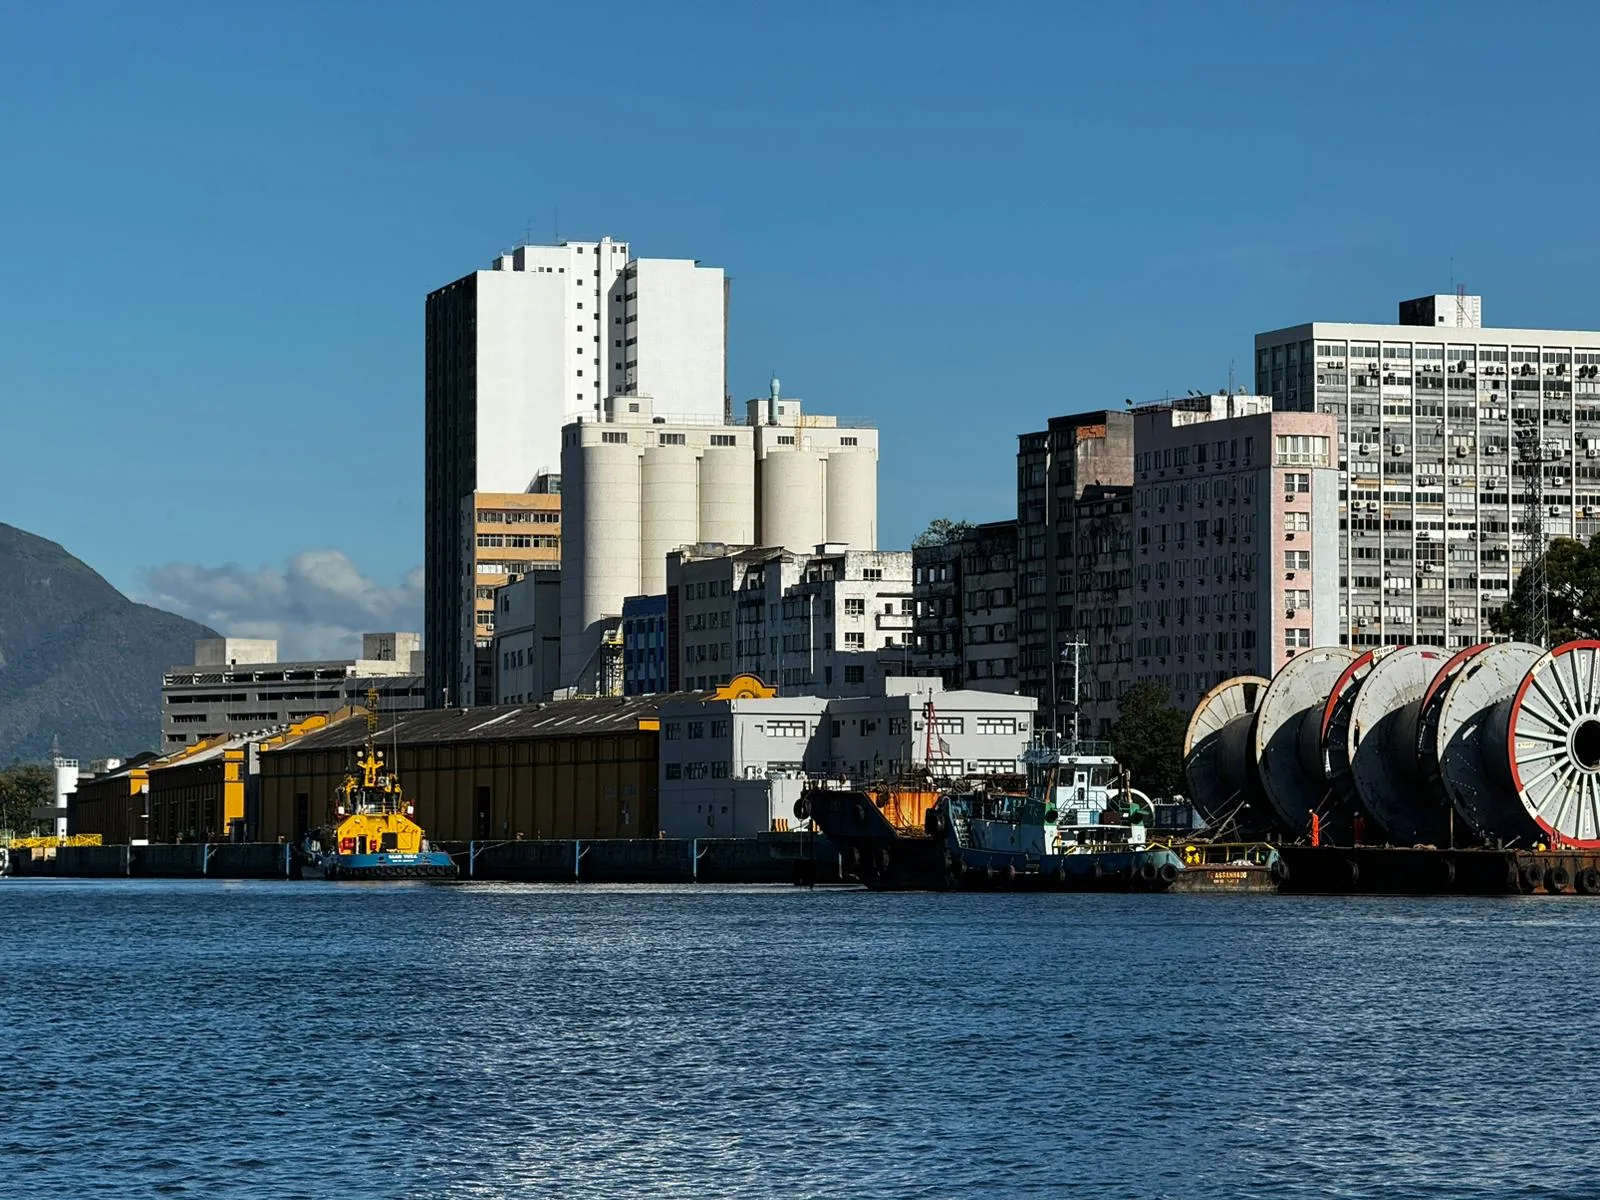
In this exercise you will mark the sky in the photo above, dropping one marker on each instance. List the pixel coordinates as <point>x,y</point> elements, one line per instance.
<point>221,222</point>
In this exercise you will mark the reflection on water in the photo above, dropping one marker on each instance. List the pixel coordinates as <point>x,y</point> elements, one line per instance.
<point>260,1039</point>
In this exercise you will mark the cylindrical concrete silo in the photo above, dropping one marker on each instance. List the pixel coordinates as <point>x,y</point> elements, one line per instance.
<point>669,512</point>
<point>728,496</point>
<point>852,498</point>
<point>600,555</point>
<point>791,500</point>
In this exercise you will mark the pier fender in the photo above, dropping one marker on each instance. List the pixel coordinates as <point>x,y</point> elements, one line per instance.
<point>1557,879</point>
<point>1279,872</point>
<point>1061,875</point>
<point>1147,871</point>
<point>1589,882</point>
<point>1008,874</point>
<point>883,860</point>
<point>1352,871</point>
<point>1168,873</point>
<point>1447,872</point>
<point>935,824</point>
<point>802,808</point>
<point>1532,876</point>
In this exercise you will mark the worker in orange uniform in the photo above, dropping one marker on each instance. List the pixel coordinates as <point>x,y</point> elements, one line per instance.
<point>1316,830</point>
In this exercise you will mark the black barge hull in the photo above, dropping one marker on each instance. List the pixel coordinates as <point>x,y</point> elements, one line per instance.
<point>1395,871</point>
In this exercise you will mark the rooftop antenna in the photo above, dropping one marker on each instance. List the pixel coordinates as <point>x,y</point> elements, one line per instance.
<point>1230,377</point>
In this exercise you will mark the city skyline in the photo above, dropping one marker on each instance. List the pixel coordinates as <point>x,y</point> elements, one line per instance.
<point>246,302</point>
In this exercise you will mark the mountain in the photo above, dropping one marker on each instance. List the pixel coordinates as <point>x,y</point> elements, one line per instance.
<point>79,661</point>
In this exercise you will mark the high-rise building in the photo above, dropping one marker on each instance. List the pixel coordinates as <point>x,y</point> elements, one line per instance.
<point>639,484</point>
<point>965,592</point>
<point>1236,524</point>
<point>1181,542</point>
<point>1440,421</point>
<point>513,354</point>
<point>1075,565</point>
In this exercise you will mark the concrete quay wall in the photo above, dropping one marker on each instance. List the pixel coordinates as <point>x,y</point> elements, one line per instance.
<point>776,858</point>
<point>795,858</point>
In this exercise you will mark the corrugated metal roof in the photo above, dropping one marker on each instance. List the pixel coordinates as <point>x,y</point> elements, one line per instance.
<point>493,723</point>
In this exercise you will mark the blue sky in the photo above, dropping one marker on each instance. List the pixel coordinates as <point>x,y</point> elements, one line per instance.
<point>956,219</point>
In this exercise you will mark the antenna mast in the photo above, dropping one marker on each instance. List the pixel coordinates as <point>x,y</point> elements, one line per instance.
<point>1077,648</point>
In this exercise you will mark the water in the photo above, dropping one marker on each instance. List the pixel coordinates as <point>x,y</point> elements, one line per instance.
<point>211,1039</point>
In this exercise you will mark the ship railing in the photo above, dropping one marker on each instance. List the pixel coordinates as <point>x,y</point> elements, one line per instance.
<point>1196,852</point>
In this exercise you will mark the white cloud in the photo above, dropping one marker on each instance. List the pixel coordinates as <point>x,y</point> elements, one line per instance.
<point>317,605</point>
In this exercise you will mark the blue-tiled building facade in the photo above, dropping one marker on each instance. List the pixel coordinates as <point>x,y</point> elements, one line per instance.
<point>644,645</point>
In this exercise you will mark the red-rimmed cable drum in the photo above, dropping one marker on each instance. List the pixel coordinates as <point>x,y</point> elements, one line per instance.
<point>1218,764</point>
<point>1381,747</point>
<point>1287,741</point>
<point>1341,803</point>
<point>1428,719</point>
<point>1552,744</point>
<point>1471,738</point>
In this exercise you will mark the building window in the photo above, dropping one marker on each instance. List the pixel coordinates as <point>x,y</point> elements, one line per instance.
<point>697,729</point>
<point>721,727</point>
<point>1297,522</point>
<point>997,725</point>
<point>1299,449</point>
<point>672,439</point>
<point>674,770</point>
<point>724,439</point>
<point>1296,482</point>
<point>614,437</point>
<point>1297,560</point>
<point>786,728</point>
<point>855,641</point>
<point>785,439</point>
<point>949,724</point>
<point>1296,639</point>
<point>671,730</point>
<point>855,675</point>
<point>848,441</point>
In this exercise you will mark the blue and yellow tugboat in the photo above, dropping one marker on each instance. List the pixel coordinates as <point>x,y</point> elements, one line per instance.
<point>371,834</point>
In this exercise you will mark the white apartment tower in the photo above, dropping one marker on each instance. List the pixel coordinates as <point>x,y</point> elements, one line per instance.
<point>516,352</point>
<point>1434,414</point>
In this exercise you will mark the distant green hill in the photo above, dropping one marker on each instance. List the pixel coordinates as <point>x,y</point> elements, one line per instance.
<point>79,661</point>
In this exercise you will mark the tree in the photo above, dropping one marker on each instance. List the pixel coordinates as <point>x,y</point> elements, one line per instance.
<point>941,531</point>
<point>23,788</point>
<point>1148,737</point>
<point>1573,572</point>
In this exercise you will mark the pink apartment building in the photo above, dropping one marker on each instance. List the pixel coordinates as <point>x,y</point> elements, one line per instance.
<point>1236,539</point>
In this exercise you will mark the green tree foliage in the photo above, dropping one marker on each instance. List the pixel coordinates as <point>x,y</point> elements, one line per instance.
<point>941,531</point>
<point>1148,737</point>
<point>1573,571</point>
<point>23,788</point>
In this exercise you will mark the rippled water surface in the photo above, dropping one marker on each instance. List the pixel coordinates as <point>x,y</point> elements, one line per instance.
<point>405,1040</point>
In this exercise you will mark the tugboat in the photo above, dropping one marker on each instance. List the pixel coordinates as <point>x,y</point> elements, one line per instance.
<point>1076,826</point>
<point>371,834</point>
